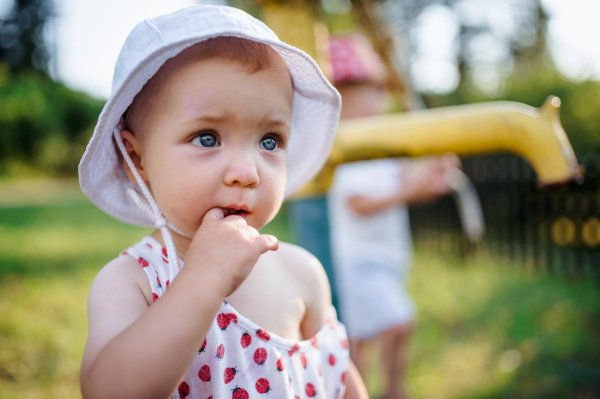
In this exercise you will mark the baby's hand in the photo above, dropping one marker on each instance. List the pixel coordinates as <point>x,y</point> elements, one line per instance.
<point>226,249</point>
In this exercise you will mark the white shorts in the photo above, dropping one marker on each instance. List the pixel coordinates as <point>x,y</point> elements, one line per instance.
<point>372,299</point>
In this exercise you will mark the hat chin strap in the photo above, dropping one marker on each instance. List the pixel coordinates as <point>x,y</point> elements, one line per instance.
<point>151,209</point>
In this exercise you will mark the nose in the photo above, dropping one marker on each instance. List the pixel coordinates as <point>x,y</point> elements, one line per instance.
<point>242,172</point>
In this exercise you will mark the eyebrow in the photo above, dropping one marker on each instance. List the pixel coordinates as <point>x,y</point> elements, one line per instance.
<point>268,122</point>
<point>212,118</point>
<point>275,123</point>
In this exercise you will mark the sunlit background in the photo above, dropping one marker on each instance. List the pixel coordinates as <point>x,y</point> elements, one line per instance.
<point>516,317</point>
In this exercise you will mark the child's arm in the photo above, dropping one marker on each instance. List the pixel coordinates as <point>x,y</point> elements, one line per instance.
<point>422,181</point>
<point>138,351</point>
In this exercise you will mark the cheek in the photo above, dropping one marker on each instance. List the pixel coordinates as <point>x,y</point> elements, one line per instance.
<point>182,190</point>
<point>274,189</point>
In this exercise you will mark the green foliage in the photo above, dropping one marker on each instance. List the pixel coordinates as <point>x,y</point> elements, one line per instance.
<point>43,123</point>
<point>580,102</point>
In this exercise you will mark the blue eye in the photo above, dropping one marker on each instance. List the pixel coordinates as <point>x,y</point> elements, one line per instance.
<point>268,143</point>
<point>205,140</point>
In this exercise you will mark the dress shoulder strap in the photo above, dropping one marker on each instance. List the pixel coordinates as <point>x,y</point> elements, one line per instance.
<point>152,257</point>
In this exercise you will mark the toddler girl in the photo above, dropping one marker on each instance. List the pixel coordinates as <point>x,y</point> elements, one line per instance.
<point>211,123</point>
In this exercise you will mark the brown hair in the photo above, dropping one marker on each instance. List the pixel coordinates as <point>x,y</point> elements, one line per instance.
<point>253,55</point>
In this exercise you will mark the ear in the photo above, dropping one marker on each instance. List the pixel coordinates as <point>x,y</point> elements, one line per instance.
<point>134,149</point>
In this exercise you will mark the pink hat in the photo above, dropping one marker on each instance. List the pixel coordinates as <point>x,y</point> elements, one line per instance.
<point>353,59</point>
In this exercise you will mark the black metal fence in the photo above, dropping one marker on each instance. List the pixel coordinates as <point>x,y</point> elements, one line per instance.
<point>547,231</point>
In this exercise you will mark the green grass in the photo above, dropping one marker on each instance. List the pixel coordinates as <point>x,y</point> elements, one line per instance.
<point>484,330</point>
<point>488,330</point>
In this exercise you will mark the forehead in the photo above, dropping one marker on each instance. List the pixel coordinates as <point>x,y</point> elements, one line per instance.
<point>187,70</point>
<point>228,87</point>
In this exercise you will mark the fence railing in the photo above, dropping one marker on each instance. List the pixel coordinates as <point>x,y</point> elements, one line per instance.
<point>548,231</point>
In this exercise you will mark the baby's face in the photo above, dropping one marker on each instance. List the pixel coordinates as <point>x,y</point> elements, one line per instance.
<point>217,137</point>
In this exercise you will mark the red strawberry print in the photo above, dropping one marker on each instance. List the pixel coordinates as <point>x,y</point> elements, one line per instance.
<point>246,340</point>
<point>149,246</point>
<point>154,297</point>
<point>143,262</point>
<point>310,390</point>
<point>184,390</point>
<point>296,397</point>
<point>344,343</point>
<point>165,260</point>
<point>344,378</point>
<point>280,366</point>
<point>164,251</point>
<point>295,348</point>
<point>229,374</point>
<point>303,360</point>
<point>202,347</point>
<point>314,342</point>
<point>124,252</point>
<point>168,282</point>
<point>262,334</point>
<point>223,321</point>
<point>332,359</point>
<point>260,356</point>
<point>158,280</point>
<point>239,393</point>
<point>204,373</point>
<point>262,385</point>
<point>220,352</point>
<point>232,317</point>
<point>210,397</point>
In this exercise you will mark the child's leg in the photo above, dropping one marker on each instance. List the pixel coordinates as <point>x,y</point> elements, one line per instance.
<point>394,353</point>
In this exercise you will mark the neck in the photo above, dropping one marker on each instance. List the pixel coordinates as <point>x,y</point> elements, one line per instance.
<point>182,243</point>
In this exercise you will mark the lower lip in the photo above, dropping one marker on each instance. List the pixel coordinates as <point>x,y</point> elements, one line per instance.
<point>243,214</point>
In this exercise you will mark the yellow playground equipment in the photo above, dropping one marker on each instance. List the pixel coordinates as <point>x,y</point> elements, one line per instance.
<point>534,134</point>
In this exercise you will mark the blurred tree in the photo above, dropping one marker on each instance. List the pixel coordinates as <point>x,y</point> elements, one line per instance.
<point>43,124</point>
<point>492,39</point>
<point>22,35</point>
<point>514,30</point>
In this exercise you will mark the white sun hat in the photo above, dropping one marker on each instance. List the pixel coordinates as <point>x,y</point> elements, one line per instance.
<point>315,111</point>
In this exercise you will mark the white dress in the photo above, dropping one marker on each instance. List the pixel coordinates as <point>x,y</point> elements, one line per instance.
<point>239,360</point>
<point>371,254</point>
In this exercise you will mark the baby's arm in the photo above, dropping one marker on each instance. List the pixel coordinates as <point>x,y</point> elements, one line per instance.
<point>134,350</point>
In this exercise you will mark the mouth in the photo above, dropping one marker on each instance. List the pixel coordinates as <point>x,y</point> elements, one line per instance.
<point>235,210</point>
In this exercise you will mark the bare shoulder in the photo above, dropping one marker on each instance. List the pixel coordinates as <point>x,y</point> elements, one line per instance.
<point>119,294</point>
<point>312,279</point>
<point>301,263</point>
<point>120,272</point>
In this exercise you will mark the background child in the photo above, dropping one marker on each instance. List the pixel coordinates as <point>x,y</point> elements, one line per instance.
<point>211,123</point>
<point>370,231</point>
